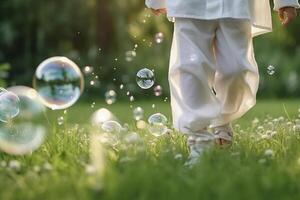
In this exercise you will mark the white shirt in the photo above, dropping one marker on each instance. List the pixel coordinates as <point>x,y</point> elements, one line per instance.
<point>258,11</point>
<point>209,9</point>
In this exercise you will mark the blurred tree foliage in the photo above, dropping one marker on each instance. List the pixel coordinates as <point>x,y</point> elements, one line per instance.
<point>99,32</point>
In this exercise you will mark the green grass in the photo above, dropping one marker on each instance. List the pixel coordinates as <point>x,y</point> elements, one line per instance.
<point>152,168</point>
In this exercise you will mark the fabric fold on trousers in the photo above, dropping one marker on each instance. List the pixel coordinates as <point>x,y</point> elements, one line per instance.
<point>209,54</point>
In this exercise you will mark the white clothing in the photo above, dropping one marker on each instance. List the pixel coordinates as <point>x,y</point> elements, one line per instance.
<point>258,11</point>
<point>210,54</point>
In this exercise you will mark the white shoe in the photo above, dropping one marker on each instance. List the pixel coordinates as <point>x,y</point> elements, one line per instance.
<point>223,134</point>
<point>198,143</point>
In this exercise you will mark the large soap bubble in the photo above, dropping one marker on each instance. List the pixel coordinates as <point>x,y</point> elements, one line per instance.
<point>59,82</point>
<point>26,132</point>
<point>158,124</point>
<point>9,105</point>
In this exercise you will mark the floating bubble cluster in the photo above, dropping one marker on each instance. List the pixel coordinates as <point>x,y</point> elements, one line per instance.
<point>157,90</point>
<point>110,97</point>
<point>145,78</point>
<point>60,120</point>
<point>158,124</point>
<point>26,132</point>
<point>9,105</point>
<point>159,37</point>
<point>130,55</point>
<point>138,113</point>
<point>271,70</point>
<point>59,82</point>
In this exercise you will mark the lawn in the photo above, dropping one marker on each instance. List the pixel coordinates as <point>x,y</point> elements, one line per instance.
<point>263,163</point>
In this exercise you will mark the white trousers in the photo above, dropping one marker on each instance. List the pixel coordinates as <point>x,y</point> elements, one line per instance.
<point>213,74</point>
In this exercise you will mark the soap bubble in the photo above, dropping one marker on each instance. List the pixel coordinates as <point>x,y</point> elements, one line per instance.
<point>131,98</point>
<point>26,132</point>
<point>59,82</point>
<point>110,97</point>
<point>158,124</point>
<point>102,115</point>
<point>130,55</point>
<point>145,78</point>
<point>9,105</point>
<point>30,102</point>
<point>159,37</point>
<point>158,90</point>
<point>271,70</point>
<point>138,113</point>
<point>60,120</point>
<point>88,70</point>
<point>111,127</point>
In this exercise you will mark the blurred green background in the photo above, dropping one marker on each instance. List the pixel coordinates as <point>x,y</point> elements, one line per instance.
<point>98,33</point>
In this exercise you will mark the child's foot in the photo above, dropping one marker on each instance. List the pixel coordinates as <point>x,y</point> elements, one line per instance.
<point>223,135</point>
<point>198,143</point>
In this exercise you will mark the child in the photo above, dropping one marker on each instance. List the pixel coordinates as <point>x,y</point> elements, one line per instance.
<point>213,74</point>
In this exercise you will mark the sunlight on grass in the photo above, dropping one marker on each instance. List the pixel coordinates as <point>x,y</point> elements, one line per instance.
<point>79,162</point>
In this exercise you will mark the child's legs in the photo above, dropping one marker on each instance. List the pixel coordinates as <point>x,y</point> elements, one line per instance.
<point>237,78</point>
<point>191,75</point>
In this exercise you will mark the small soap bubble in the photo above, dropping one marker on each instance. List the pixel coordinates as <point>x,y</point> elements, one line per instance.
<point>158,124</point>
<point>271,70</point>
<point>153,106</point>
<point>9,105</point>
<point>131,98</point>
<point>145,78</point>
<point>157,90</point>
<point>110,97</point>
<point>93,105</point>
<point>121,87</point>
<point>60,120</point>
<point>102,115</point>
<point>159,37</point>
<point>59,82</point>
<point>130,55</point>
<point>138,113</point>
<point>111,127</point>
<point>88,70</point>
